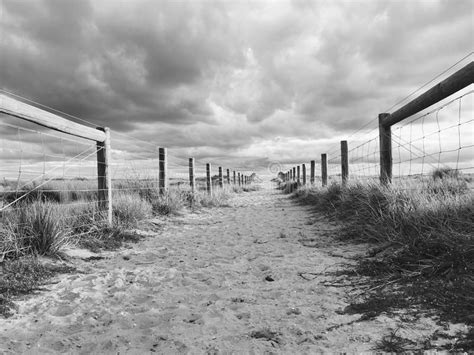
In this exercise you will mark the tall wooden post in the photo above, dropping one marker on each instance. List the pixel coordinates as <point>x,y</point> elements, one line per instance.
<point>163,173</point>
<point>233,177</point>
<point>294,173</point>
<point>228,176</point>
<point>221,178</point>
<point>344,162</point>
<point>104,178</point>
<point>291,174</point>
<point>324,169</point>
<point>192,180</point>
<point>312,173</point>
<point>303,168</point>
<point>208,179</point>
<point>298,175</point>
<point>385,142</point>
<point>240,181</point>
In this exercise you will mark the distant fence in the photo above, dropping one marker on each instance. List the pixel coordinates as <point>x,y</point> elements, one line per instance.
<point>414,141</point>
<point>46,156</point>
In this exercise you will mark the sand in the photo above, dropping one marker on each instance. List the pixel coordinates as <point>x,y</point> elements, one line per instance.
<point>249,278</point>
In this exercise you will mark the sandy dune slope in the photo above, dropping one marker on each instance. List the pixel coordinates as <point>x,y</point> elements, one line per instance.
<point>242,279</point>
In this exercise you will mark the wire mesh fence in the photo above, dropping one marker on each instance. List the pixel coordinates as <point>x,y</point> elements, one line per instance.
<point>41,165</point>
<point>442,138</point>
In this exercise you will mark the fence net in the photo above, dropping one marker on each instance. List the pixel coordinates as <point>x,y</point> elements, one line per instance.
<point>42,165</point>
<point>441,139</point>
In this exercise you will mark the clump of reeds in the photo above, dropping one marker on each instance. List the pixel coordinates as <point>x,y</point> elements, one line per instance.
<point>424,232</point>
<point>35,228</point>
<point>129,208</point>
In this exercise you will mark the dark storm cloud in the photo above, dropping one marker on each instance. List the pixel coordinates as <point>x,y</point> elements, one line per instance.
<point>115,65</point>
<point>228,77</point>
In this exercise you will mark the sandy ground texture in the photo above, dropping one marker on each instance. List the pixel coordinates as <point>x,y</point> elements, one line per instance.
<point>247,279</point>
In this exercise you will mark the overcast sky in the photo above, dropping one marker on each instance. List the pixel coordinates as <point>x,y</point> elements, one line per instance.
<point>240,81</point>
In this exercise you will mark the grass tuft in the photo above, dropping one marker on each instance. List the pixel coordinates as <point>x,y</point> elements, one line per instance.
<point>35,228</point>
<point>129,209</point>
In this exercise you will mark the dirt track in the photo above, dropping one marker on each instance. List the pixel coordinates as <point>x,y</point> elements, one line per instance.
<point>245,279</point>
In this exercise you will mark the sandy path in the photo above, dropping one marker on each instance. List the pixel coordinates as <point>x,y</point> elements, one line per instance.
<point>202,284</point>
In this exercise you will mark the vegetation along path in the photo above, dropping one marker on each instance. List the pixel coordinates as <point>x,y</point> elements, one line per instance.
<point>257,276</point>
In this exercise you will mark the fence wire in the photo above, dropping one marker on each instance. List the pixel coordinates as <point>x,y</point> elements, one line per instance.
<point>42,165</point>
<point>441,139</point>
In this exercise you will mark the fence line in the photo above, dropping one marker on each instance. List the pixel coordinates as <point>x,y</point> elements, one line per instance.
<point>407,141</point>
<point>50,158</point>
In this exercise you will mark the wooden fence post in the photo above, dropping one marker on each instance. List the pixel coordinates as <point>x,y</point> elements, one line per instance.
<point>104,178</point>
<point>228,176</point>
<point>385,143</point>
<point>240,181</point>
<point>344,162</point>
<point>221,178</point>
<point>233,177</point>
<point>303,167</point>
<point>313,171</point>
<point>192,180</point>
<point>294,173</point>
<point>163,173</point>
<point>324,169</point>
<point>208,179</point>
<point>298,175</point>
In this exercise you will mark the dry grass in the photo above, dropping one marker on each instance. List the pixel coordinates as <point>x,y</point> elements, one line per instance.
<point>35,228</point>
<point>23,276</point>
<point>53,215</point>
<point>423,235</point>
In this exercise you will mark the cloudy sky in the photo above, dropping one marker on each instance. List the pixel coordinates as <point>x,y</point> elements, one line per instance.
<point>241,81</point>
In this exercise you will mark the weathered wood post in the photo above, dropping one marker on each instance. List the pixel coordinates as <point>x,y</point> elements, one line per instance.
<point>344,162</point>
<point>221,178</point>
<point>240,181</point>
<point>233,177</point>
<point>385,142</point>
<point>298,175</point>
<point>192,179</point>
<point>303,167</point>
<point>294,173</point>
<point>291,174</point>
<point>228,176</point>
<point>104,178</point>
<point>313,171</point>
<point>208,179</point>
<point>163,173</point>
<point>324,169</point>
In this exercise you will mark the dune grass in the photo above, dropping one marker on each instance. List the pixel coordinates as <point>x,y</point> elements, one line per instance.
<point>51,217</point>
<point>423,240</point>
